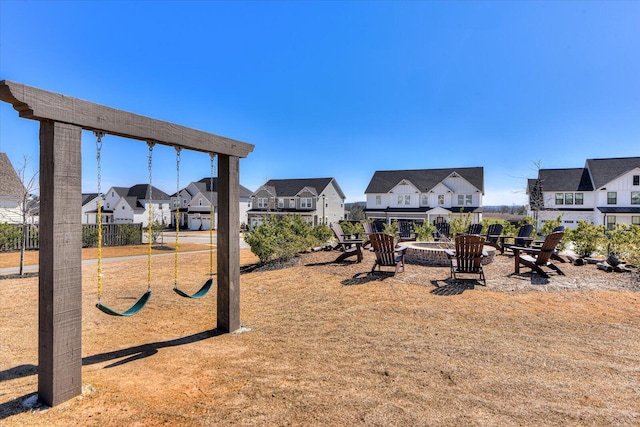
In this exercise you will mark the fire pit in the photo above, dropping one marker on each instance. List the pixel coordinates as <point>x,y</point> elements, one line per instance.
<point>433,253</point>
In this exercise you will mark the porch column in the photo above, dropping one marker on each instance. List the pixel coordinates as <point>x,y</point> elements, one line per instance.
<point>60,283</point>
<point>228,243</point>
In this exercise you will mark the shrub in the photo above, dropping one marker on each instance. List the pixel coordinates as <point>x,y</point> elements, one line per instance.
<point>283,238</point>
<point>89,237</point>
<point>424,231</point>
<point>8,234</point>
<point>587,238</point>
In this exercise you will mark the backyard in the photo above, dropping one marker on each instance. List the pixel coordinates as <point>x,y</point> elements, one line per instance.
<point>326,343</point>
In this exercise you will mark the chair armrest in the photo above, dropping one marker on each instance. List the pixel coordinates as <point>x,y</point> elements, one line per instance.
<point>450,253</point>
<point>401,249</point>
<point>485,253</point>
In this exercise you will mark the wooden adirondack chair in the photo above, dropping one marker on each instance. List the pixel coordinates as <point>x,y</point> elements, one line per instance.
<point>493,233</point>
<point>467,258</point>
<point>474,229</point>
<point>521,240</point>
<point>442,231</point>
<point>405,232</point>
<point>387,255</point>
<point>348,247</point>
<point>537,258</point>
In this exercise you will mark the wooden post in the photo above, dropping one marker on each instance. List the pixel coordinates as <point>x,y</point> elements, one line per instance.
<point>60,286</point>
<point>228,243</point>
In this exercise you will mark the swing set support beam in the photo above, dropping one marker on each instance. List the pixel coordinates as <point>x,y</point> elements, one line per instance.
<point>62,120</point>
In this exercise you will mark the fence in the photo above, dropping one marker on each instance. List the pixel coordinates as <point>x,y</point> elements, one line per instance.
<point>112,235</point>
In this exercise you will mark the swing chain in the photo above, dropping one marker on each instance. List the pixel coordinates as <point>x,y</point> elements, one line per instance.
<point>150,225</point>
<point>211,212</point>
<point>99,136</point>
<point>177,218</point>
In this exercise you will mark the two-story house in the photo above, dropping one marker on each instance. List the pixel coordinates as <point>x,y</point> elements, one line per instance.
<point>122,205</point>
<point>12,192</point>
<point>194,204</point>
<point>432,195</point>
<point>316,200</point>
<point>603,192</point>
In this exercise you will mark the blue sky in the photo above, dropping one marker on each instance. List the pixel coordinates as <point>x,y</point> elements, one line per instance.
<point>338,88</point>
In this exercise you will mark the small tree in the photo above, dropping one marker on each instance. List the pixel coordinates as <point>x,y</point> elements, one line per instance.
<point>28,205</point>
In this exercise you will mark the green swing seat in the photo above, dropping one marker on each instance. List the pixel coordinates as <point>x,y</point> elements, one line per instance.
<point>202,292</point>
<point>131,311</point>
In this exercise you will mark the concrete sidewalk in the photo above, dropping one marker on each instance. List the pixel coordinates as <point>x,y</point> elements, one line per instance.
<point>168,239</point>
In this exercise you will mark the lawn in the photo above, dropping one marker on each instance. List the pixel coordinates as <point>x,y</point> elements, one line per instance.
<point>329,344</point>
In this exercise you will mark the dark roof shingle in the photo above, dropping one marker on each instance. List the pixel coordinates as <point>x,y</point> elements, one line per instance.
<point>424,179</point>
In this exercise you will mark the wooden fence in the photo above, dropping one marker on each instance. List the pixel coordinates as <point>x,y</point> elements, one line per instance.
<point>112,235</point>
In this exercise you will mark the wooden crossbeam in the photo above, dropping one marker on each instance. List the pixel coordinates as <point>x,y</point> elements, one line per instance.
<point>38,104</point>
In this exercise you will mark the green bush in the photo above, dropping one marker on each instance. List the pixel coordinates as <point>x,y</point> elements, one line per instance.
<point>352,228</point>
<point>89,237</point>
<point>8,233</point>
<point>424,231</point>
<point>283,238</point>
<point>459,224</point>
<point>587,238</point>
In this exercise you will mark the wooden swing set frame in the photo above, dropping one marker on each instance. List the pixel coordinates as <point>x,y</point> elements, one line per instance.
<point>62,119</point>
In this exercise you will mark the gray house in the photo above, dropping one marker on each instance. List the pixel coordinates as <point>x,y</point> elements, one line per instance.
<point>316,200</point>
<point>432,195</point>
<point>194,204</point>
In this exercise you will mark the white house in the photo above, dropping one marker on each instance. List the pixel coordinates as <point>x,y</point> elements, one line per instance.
<point>316,200</point>
<point>432,195</point>
<point>603,192</point>
<point>90,208</point>
<point>12,192</point>
<point>194,204</point>
<point>122,205</point>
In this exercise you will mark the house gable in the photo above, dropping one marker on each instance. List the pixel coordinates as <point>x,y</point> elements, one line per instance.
<point>10,185</point>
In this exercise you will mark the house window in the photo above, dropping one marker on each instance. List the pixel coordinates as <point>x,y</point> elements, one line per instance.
<point>612,198</point>
<point>568,198</point>
<point>440,199</point>
<point>112,194</point>
<point>635,220</point>
<point>400,199</point>
<point>559,198</point>
<point>424,200</point>
<point>305,203</point>
<point>635,197</point>
<point>579,198</point>
<point>378,200</point>
<point>407,199</point>
<point>465,199</point>
<point>611,222</point>
<point>122,207</point>
<point>281,203</point>
<point>262,202</point>
<point>199,202</point>
<point>636,179</point>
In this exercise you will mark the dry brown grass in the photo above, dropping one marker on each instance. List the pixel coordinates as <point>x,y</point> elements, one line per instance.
<point>331,345</point>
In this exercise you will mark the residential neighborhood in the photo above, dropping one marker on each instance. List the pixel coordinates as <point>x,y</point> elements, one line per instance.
<point>602,192</point>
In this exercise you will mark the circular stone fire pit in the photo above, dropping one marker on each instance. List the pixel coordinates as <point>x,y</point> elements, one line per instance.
<point>432,253</point>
